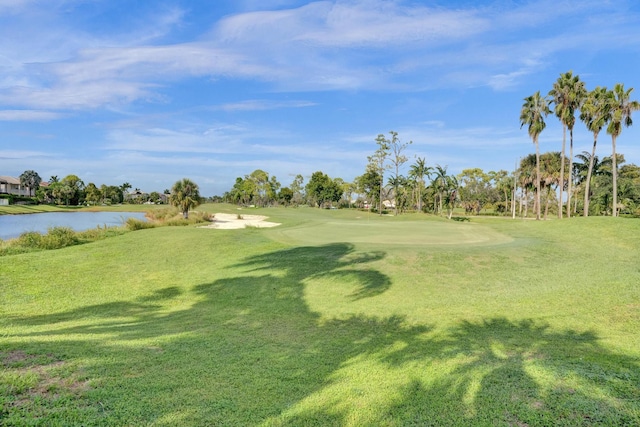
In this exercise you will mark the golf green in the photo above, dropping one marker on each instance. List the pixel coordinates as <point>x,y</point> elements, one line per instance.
<point>395,233</point>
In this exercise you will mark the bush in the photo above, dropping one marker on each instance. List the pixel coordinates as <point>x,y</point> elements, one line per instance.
<point>30,239</point>
<point>195,217</point>
<point>134,224</point>
<point>59,237</point>
<point>98,233</point>
<point>163,214</point>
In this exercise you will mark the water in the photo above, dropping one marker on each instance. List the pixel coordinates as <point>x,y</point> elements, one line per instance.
<point>12,226</point>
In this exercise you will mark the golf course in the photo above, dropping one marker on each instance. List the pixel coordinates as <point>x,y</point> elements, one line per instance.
<point>332,318</point>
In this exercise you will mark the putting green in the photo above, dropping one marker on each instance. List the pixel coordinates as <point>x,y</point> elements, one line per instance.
<point>395,233</point>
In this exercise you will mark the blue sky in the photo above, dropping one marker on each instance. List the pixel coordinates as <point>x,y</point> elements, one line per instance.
<point>150,92</point>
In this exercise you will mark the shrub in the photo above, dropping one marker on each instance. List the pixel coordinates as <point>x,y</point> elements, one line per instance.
<point>59,237</point>
<point>99,233</point>
<point>30,239</point>
<point>163,214</point>
<point>201,216</point>
<point>134,224</point>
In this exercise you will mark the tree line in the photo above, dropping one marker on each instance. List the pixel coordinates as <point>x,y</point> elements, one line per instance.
<point>391,182</point>
<point>598,109</point>
<point>71,191</point>
<point>593,185</point>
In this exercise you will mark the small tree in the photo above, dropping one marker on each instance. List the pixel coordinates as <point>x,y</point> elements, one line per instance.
<point>298,190</point>
<point>321,189</point>
<point>397,160</point>
<point>185,195</point>
<point>377,163</point>
<point>72,191</point>
<point>285,195</point>
<point>369,184</point>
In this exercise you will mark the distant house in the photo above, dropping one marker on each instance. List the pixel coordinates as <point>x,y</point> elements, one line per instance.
<point>389,204</point>
<point>11,185</point>
<point>138,196</point>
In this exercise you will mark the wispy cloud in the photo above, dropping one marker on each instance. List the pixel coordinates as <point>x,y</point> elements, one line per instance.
<point>323,45</point>
<point>28,115</point>
<point>262,105</point>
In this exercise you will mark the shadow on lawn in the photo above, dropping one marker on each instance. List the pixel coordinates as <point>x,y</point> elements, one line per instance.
<point>249,352</point>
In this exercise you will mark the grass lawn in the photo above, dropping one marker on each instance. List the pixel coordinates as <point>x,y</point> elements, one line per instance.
<point>27,209</point>
<point>334,318</point>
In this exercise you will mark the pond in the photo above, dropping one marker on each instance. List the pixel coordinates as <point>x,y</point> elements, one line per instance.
<point>12,226</point>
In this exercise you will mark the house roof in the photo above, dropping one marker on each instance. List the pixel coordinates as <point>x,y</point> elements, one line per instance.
<point>9,180</point>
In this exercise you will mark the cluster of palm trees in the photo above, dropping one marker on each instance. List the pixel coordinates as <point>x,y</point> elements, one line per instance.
<point>599,108</point>
<point>424,188</point>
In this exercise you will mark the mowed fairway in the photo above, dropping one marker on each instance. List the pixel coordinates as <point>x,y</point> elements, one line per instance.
<point>410,232</point>
<point>334,318</point>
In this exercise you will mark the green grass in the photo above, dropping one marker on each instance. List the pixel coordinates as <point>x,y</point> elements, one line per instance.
<point>27,209</point>
<point>333,318</point>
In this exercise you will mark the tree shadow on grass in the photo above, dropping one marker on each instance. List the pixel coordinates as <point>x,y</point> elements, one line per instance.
<point>333,261</point>
<point>141,309</point>
<point>520,373</point>
<point>250,352</point>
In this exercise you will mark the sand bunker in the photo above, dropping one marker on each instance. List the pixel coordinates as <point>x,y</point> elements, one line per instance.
<point>231,221</point>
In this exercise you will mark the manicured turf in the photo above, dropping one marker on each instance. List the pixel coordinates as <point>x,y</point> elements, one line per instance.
<point>333,318</point>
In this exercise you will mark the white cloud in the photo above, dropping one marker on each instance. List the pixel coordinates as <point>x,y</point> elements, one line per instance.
<point>370,23</point>
<point>22,154</point>
<point>261,105</point>
<point>28,115</point>
<point>322,45</point>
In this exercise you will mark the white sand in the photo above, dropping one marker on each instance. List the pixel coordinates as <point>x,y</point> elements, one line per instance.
<point>225,221</point>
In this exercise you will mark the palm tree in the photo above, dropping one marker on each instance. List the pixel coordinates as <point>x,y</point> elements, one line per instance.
<point>451,191</point>
<point>400,187</point>
<point>568,94</point>
<point>581,169</point>
<point>621,109</point>
<point>595,113</point>
<point>550,174</point>
<point>31,180</point>
<point>440,186</point>
<point>534,110</point>
<point>526,178</point>
<point>417,172</point>
<point>185,195</point>
<point>123,190</point>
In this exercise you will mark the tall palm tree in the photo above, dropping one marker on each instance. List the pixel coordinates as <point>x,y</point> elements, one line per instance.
<point>568,94</point>
<point>418,171</point>
<point>621,108</point>
<point>595,113</point>
<point>534,110</point>
<point>185,195</point>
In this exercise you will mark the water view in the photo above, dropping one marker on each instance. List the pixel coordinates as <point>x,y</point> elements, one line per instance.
<point>12,226</point>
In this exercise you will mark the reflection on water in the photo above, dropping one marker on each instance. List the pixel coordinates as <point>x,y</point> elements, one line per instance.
<point>12,226</point>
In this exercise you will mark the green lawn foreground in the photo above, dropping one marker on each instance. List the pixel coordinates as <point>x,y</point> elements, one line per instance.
<point>334,318</point>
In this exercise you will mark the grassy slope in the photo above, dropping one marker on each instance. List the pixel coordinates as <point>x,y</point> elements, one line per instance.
<point>334,318</point>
